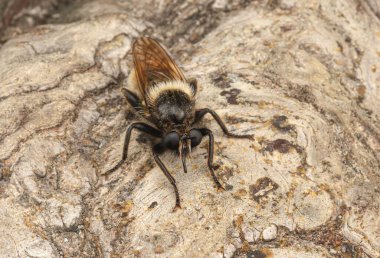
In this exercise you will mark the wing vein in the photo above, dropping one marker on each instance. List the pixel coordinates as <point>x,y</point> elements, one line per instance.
<point>153,64</point>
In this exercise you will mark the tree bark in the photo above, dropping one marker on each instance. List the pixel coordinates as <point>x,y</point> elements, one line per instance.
<point>302,76</point>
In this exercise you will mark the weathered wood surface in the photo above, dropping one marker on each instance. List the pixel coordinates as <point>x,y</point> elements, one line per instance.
<point>303,77</point>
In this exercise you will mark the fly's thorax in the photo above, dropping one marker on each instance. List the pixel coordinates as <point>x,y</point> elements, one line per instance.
<point>156,91</point>
<point>175,111</point>
<point>173,105</point>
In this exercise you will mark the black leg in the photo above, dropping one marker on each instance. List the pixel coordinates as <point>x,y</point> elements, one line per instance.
<point>159,149</point>
<point>199,114</point>
<point>132,99</point>
<point>208,132</point>
<point>141,127</point>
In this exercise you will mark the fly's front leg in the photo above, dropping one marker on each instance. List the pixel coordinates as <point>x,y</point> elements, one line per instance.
<point>208,132</point>
<point>141,127</point>
<point>157,149</point>
<point>199,114</point>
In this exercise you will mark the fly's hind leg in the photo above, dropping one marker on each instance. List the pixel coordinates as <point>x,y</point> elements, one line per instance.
<point>132,99</point>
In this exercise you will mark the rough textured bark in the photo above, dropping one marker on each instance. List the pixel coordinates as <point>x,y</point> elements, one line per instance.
<point>18,16</point>
<point>303,77</point>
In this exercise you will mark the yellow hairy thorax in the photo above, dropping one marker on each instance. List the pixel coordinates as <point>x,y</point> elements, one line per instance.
<point>155,91</point>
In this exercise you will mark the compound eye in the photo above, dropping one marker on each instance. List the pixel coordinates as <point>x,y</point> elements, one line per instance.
<point>196,137</point>
<point>171,141</point>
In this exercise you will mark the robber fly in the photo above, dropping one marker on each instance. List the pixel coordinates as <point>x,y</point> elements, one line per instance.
<point>166,99</point>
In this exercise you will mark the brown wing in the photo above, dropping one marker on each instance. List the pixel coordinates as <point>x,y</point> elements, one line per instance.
<point>153,64</point>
